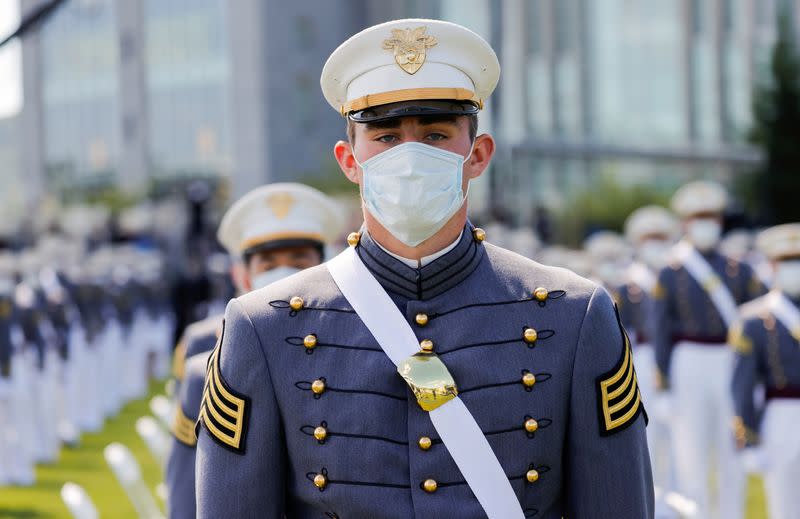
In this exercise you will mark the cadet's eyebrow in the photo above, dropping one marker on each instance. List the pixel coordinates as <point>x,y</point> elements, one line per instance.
<point>425,120</point>
<point>383,125</point>
<point>436,119</point>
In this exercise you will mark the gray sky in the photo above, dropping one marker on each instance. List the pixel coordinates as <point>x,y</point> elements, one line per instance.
<point>10,61</point>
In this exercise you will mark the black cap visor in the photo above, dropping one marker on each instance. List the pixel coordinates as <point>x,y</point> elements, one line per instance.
<point>288,243</point>
<point>413,109</point>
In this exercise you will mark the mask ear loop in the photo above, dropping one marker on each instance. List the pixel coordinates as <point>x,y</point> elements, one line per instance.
<point>471,149</point>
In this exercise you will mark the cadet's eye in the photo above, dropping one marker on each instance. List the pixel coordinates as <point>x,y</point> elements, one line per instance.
<point>436,137</point>
<point>386,139</point>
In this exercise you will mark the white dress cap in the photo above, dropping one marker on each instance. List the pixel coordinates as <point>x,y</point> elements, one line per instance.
<point>409,60</point>
<point>698,198</point>
<point>651,220</point>
<point>607,245</point>
<point>277,214</point>
<point>780,242</point>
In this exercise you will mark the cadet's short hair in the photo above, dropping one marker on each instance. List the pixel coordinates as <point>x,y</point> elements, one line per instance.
<point>473,126</point>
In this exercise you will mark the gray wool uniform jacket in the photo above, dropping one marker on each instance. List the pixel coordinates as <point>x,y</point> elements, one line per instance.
<point>683,310</point>
<point>766,353</point>
<point>179,476</point>
<point>304,416</point>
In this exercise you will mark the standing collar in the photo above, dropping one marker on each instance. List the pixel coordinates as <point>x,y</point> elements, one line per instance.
<point>431,279</point>
<point>425,260</point>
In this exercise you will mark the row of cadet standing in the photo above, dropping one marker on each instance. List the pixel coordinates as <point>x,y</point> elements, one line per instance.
<point>717,356</point>
<point>83,326</point>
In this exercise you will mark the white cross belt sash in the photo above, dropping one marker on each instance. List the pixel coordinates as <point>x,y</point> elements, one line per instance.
<point>785,312</point>
<point>431,383</point>
<point>705,276</point>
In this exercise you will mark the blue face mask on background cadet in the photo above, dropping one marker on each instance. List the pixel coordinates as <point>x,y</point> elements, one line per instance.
<point>413,189</point>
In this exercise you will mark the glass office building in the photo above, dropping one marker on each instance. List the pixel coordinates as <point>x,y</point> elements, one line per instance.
<point>644,91</point>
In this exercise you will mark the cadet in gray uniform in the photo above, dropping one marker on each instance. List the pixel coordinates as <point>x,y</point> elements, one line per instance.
<point>767,345</point>
<point>520,366</point>
<point>277,230</point>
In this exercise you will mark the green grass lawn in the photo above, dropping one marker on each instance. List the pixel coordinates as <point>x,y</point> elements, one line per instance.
<point>86,466</point>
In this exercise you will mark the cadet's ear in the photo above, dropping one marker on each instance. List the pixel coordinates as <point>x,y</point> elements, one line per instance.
<point>482,154</point>
<point>343,151</point>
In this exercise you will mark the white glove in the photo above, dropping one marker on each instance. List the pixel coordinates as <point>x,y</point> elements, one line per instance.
<point>754,460</point>
<point>662,407</point>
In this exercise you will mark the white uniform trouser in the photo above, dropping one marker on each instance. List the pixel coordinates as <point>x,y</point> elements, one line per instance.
<point>161,338</point>
<point>44,386</point>
<point>658,434</point>
<point>112,353</point>
<point>20,428</point>
<point>702,430</point>
<point>781,443</point>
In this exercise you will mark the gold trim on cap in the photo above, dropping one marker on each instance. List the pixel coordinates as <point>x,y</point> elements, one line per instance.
<point>275,236</point>
<point>410,94</point>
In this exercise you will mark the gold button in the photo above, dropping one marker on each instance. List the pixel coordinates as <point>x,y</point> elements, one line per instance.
<point>479,234</point>
<point>426,346</point>
<point>528,380</point>
<point>421,319</point>
<point>320,433</point>
<point>531,425</point>
<point>318,386</point>
<point>310,341</point>
<point>296,303</point>
<point>320,481</point>
<point>532,476</point>
<point>353,238</point>
<point>540,294</point>
<point>430,486</point>
<point>530,335</point>
<point>425,443</point>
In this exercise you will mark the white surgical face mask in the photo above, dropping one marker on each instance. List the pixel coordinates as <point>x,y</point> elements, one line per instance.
<point>654,253</point>
<point>704,233</point>
<point>609,273</point>
<point>271,276</point>
<point>787,277</point>
<point>413,189</point>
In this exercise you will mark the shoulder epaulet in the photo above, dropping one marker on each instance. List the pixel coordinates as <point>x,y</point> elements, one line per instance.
<point>740,343</point>
<point>224,412</point>
<point>179,360</point>
<point>658,290</point>
<point>618,398</point>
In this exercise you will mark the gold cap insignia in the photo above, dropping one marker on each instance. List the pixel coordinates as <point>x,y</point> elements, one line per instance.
<point>409,47</point>
<point>280,204</point>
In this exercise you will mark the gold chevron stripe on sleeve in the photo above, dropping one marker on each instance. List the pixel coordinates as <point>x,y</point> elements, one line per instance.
<point>223,411</point>
<point>179,360</point>
<point>183,428</point>
<point>619,398</point>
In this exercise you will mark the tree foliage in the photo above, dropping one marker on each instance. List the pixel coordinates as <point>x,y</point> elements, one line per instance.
<point>776,129</point>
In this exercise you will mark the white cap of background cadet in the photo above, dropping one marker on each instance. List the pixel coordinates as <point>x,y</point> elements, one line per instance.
<point>280,215</point>
<point>651,221</point>
<point>781,242</point>
<point>700,197</point>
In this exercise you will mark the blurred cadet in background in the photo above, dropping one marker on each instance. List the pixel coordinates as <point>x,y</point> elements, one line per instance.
<point>271,233</point>
<point>767,344</point>
<point>739,245</point>
<point>652,231</point>
<point>694,302</point>
<point>610,255</point>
